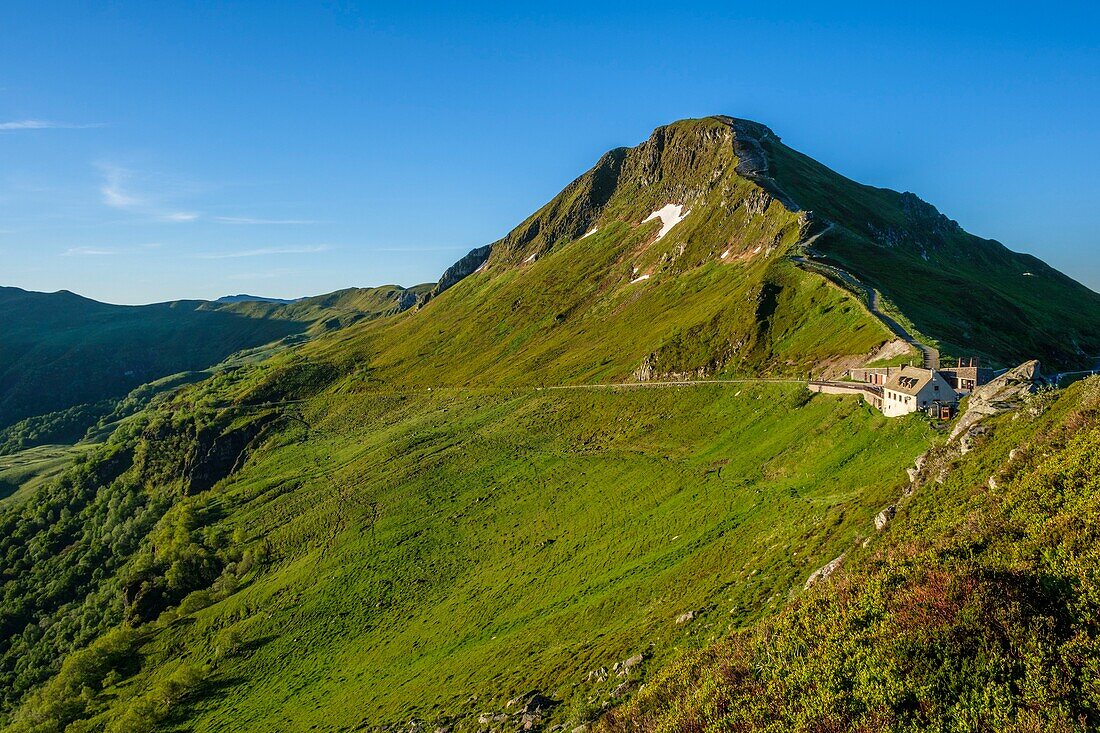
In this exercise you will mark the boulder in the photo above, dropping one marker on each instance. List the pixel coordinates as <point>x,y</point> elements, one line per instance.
<point>628,664</point>
<point>598,675</point>
<point>883,518</point>
<point>823,572</point>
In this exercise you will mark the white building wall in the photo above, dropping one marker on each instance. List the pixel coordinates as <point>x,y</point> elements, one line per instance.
<point>896,404</point>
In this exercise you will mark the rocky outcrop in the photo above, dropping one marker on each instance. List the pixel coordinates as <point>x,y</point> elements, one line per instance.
<point>526,712</point>
<point>219,455</point>
<point>1013,390</point>
<point>883,518</point>
<point>647,371</point>
<point>625,667</point>
<point>465,267</point>
<point>823,572</point>
<point>752,159</point>
<point>407,300</point>
<point>1006,392</point>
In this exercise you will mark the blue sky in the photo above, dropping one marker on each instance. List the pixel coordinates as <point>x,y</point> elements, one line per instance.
<point>153,151</point>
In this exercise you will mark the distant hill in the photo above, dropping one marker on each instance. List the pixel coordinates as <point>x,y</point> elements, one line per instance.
<point>242,298</point>
<point>61,350</point>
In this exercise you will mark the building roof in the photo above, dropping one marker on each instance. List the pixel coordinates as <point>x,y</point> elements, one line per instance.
<point>910,380</point>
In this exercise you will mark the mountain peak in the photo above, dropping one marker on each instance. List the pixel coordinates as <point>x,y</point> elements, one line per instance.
<point>741,196</point>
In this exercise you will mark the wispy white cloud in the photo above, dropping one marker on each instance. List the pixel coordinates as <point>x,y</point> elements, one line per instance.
<point>90,252</point>
<point>117,193</point>
<point>180,216</point>
<point>266,251</point>
<point>251,220</point>
<point>15,125</point>
<point>94,251</point>
<point>113,189</point>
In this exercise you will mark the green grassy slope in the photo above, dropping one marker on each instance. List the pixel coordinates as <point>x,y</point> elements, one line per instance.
<point>574,316</point>
<point>428,547</point>
<point>975,610</point>
<point>24,472</point>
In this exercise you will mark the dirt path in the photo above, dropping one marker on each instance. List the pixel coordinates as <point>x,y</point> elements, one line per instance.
<point>930,356</point>
<point>526,389</point>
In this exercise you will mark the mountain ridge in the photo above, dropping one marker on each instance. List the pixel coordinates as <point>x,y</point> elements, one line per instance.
<point>911,235</point>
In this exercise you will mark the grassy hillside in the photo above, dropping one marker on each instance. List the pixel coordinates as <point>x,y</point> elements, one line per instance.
<point>429,548</point>
<point>972,295</point>
<point>976,610</point>
<point>62,356</point>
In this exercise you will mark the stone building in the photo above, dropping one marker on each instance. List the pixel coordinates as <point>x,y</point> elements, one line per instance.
<point>912,388</point>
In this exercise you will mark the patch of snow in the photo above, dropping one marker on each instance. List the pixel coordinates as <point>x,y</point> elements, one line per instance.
<point>757,250</point>
<point>532,258</point>
<point>1029,274</point>
<point>482,266</point>
<point>725,254</point>
<point>639,279</point>
<point>590,232</point>
<point>670,215</point>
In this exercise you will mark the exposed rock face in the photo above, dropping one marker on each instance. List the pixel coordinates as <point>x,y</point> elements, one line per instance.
<point>463,268</point>
<point>1006,392</point>
<point>216,456</point>
<point>408,299</point>
<point>823,572</point>
<point>757,202</point>
<point>883,518</point>
<point>647,372</point>
<point>526,712</point>
<point>1010,391</point>
<point>922,212</point>
<point>685,617</point>
<point>749,139</point>
<point>624,667</point>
